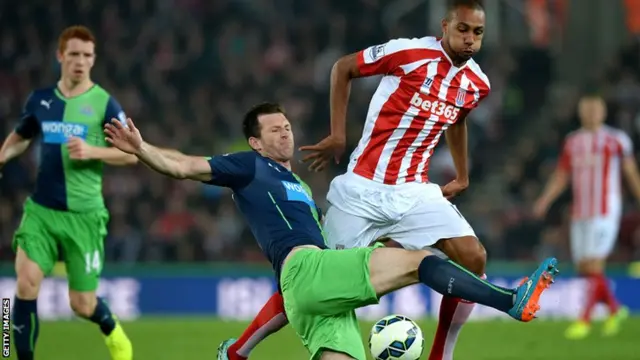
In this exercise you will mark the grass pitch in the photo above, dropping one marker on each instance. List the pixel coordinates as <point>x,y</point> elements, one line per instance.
<point>197,339</point>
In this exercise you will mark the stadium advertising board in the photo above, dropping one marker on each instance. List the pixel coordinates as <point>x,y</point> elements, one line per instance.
<point>239,298</point>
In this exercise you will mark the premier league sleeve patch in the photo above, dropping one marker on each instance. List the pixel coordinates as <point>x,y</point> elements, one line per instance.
<point>376,52</point>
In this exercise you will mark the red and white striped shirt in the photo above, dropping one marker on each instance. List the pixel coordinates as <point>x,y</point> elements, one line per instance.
<point>419,97</point>
<point>593,159</point>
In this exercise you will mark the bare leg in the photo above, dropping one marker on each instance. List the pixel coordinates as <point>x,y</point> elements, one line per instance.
<point>391,269</point>
<point>25,311</point>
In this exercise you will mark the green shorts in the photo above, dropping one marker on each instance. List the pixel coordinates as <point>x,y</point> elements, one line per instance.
<point>321,290</point>
<point>80,237</point>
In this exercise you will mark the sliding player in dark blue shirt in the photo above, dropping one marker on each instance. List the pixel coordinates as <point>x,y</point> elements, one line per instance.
<point>321,287</point>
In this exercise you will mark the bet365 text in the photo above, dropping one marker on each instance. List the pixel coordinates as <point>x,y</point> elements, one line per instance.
<point>6,328</point>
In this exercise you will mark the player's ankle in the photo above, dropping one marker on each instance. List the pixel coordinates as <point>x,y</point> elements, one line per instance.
<point>103,317</point>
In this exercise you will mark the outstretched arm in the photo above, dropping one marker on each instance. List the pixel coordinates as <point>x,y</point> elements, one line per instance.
<point>80,150</point>
<point>114,157</point>
<point>108,155</point>
<point>174,163</point>
<point>231,170</point>
<point>127,138</point>
<point>383,59</point>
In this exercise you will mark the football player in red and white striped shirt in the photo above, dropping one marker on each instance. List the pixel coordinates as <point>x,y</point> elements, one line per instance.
<point>428,88</point>
<point>592,160</point>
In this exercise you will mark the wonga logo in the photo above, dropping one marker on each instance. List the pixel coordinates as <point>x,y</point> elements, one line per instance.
<point>57,132</point>
<point>439,108</point>
<point>296,192</point>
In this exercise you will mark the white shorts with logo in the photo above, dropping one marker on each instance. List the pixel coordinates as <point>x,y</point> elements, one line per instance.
<point>594,238</point>
<point>413,214</point>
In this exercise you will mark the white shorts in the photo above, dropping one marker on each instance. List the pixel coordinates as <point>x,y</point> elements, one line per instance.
<point>413,214</point>
<point>594,238</point>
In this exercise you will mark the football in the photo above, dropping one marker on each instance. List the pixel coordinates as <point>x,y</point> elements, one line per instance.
<point>396,337</point>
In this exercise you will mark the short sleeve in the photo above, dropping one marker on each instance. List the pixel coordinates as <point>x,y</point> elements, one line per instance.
<point>114,111</point>
<point>626,145</point>
<point>232,170</point>
<point>28,126</point>
<point>387,58</point>
<point>564,163</point>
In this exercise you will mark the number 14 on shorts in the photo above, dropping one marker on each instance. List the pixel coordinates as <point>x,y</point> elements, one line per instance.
<point>93,262</point>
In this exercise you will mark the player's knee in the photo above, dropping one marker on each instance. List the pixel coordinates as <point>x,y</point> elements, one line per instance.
<point>28,278</point>
<point>417,256</point>
<point>468,252</point>
<point>412,260</point>
<point>27,286</point>
<point>83,304</point>
<point>391,269</point>
<point>476,259</point>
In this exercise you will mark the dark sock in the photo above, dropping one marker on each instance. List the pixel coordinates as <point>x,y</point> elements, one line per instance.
<point>25,327</point>
<point>103,317</point>
<point>451,279</point>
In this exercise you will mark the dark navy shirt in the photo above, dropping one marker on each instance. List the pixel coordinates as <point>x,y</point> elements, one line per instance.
<point>62,183</point>
<point>276,203</point>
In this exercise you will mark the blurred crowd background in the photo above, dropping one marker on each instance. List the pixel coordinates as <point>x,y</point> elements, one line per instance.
<point>186,70</point>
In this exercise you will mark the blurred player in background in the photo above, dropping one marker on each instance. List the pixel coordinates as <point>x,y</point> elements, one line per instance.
<point>66,211</point>
<point>592,159</point>
<point>429,87</point>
